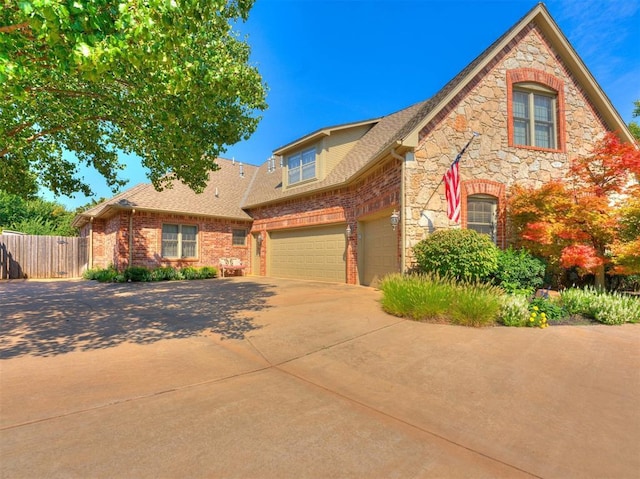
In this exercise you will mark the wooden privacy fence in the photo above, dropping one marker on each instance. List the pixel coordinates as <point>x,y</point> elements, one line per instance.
<point>26,256</point>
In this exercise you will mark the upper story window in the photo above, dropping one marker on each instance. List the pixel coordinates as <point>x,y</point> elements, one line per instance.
<point>179,241</point>
<point>534,117</point>
<point>301,166</point>
<point>536,109</point>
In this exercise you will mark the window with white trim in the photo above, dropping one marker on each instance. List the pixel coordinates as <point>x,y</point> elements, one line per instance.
<point>301,166</point>
<point>482,215</point>
<point>179,241</point>
<point>239,237</point>
<point>534,116</point>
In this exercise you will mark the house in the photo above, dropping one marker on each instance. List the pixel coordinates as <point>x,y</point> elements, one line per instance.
<point>321,207</point>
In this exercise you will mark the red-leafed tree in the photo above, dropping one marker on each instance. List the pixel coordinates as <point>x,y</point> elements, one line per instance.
<point>589,219</point>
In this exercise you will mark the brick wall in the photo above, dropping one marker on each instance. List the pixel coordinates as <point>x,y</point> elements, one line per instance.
<point>111,240</point>
<point>374,192</point>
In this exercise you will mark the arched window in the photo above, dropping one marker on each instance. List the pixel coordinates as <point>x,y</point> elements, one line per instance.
<point>535,120</point>
<point>535,105</point>
<point>482,215</point>
<point>483,208</point>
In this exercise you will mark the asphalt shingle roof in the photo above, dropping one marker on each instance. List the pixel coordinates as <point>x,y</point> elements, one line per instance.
<point>180,199</point>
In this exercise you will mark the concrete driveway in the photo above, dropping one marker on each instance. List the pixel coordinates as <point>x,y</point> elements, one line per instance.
<point>265,378</point>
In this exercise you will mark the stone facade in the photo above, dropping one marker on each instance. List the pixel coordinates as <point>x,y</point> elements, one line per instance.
<point>492,163</point>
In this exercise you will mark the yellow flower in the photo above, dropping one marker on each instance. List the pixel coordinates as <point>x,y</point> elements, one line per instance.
<point>534,314</point>
<point>535,308</point>
<point>531,319</point>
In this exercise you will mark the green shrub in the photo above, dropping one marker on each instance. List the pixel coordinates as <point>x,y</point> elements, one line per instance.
<point>190,272</point>
<point>164,273</point>
<point>91,273</point>
<point>208,272</point>
<point>514,310</point>
<point>460,253</point>
<point>476,304</point>
<point>137,273</point>
<point>108,275</point>
<point>518,271</point>
<point>576,301</point>
<point>607,308</point>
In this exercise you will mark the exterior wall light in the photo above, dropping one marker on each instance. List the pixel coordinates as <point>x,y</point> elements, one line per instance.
<point>259,239</point>
<point>348,230</point>
<point>395,219</point>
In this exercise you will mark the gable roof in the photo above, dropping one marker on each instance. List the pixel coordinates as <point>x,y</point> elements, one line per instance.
<point>320,133</point>
<point>540,17</point>
<point>180,199</point>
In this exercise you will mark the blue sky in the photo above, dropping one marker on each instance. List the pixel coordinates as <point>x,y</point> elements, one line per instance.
<point>328,62</point>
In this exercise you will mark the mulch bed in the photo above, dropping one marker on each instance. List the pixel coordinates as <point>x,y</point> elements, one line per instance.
<point>574,320</point>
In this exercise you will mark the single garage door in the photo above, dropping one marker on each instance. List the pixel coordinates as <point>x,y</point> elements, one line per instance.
<point>310,253</point>
<point>380,250</point>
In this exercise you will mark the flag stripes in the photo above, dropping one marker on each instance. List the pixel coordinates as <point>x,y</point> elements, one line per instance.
<point>452,190</point>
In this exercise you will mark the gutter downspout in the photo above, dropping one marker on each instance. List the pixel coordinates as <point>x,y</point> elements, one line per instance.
<point>403,235</point>
<point>133,212</point>
<point>91,243</point>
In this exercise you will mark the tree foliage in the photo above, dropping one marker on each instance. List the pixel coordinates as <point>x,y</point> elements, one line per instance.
<point>35,216</point>
<point>168,80</point>
<point>589,219</point>
<point>634,128</point>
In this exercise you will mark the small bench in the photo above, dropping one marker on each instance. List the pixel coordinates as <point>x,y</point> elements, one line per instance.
<point>231,264</point>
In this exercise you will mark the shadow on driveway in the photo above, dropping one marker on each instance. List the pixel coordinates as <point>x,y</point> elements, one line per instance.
<point>50,318</point>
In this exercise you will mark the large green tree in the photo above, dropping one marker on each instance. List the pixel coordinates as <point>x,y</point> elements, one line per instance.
<point>168,80</point>
<point>35,216</point>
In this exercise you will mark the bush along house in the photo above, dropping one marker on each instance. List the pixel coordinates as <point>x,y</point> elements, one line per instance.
<point>347,203</point>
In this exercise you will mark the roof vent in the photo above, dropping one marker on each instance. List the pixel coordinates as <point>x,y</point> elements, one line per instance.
<point>217,193</point>
<point>241,170</point>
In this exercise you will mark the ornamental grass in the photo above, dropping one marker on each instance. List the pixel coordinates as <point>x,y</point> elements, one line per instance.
<point>430,297</point>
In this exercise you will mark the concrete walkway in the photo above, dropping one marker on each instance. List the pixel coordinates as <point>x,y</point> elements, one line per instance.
<point>264,378</point>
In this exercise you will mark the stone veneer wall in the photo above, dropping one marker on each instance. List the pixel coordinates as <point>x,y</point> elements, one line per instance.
<point>482,106</point>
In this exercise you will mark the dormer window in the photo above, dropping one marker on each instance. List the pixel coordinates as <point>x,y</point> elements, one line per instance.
<point>301,166</point>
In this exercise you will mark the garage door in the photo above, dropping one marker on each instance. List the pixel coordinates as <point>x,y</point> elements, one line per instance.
<point>311,253</point>
<point>380,250</point>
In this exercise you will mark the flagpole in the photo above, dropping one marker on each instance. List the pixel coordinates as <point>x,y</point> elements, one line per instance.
<point>457,158</point>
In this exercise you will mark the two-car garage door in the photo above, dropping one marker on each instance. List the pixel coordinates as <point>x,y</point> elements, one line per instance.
<point>310,253</point>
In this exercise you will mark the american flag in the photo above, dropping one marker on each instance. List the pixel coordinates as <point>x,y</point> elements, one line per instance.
<point>452,185</point>
<point>452,189</point>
